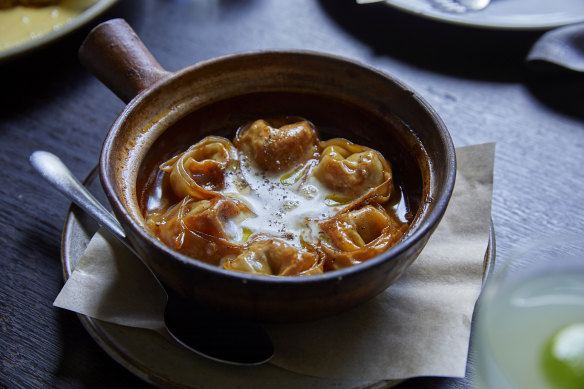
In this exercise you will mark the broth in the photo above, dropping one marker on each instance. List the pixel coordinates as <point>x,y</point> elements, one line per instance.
<point>331,118</point>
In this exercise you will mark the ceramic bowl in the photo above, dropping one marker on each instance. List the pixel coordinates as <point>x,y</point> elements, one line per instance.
<point>168,111</point>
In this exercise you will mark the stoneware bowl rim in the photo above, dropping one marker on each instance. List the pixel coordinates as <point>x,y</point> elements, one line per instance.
<point>431,220</point>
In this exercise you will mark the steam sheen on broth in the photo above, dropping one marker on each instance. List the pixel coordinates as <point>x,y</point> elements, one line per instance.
<point>276,200</point>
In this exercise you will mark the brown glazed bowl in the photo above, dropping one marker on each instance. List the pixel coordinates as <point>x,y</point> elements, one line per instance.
<point>168,111</point>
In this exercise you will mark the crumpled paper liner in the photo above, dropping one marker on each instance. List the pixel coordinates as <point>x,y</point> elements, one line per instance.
<point>420,326</point>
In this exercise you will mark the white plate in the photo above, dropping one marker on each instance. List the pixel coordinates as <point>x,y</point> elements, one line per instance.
<point>503,14</point>
<point>14,18</point>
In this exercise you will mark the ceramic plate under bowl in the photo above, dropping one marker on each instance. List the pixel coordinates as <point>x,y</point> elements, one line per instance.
<point>78,21</point>
<point>503,14</point>
<point>151,357</point>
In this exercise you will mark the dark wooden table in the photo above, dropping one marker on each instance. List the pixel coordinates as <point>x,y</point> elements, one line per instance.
<point>475,79</point>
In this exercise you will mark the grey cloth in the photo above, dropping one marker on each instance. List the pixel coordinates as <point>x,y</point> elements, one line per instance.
<point>555,69</point>
<point>559,50</point>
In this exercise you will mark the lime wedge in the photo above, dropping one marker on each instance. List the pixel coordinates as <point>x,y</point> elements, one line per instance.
<point>563,358</point>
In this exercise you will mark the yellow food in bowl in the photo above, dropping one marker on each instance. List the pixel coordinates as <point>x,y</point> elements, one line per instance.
<point>26,3</point>
<point>20,23</point>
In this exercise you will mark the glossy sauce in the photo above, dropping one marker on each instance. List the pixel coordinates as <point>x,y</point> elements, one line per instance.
<point>291,205</point>
<point>282,203</point>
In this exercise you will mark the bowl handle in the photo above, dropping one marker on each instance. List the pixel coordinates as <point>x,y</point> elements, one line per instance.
<point>117,57</point>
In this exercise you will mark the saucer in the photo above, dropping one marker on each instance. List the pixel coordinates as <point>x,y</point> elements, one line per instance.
<point>152,358</point>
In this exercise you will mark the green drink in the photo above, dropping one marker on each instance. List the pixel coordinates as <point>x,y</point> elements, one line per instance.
<point>530,329</point>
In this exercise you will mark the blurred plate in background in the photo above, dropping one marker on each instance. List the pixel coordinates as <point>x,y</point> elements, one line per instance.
<point>501,14</point>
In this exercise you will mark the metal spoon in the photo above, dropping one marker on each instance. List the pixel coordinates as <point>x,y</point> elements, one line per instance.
<point>218,337</point>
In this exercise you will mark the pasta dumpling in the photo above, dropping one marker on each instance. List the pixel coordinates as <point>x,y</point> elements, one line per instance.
<point>269,256</point>
<point>278,144</point>
<point>351,169</point>
<point>357,235</point>
<point>199,171</point>
<point>202,229</point>
<point>352,230</point>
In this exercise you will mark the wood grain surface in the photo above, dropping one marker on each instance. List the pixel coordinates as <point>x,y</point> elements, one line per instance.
<point>475,79</point>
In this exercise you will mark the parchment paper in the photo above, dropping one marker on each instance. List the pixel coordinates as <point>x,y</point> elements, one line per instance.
<point>420,326</point>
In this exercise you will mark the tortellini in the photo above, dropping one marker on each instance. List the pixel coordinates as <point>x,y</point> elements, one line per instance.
<point>349,231</point>
<point>200,229</point>
<point>199,171</point>
<point>351,169</point>
<point>357,235</point>
<point>270,256</point>
<point>277,145</point>
<point>277,201</point>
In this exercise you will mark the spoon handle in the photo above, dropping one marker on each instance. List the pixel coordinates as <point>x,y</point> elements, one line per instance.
<point>55,172</point>
<point>221,339</point>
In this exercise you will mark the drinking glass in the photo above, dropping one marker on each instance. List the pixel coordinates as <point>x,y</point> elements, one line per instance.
<point>529,331</point>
